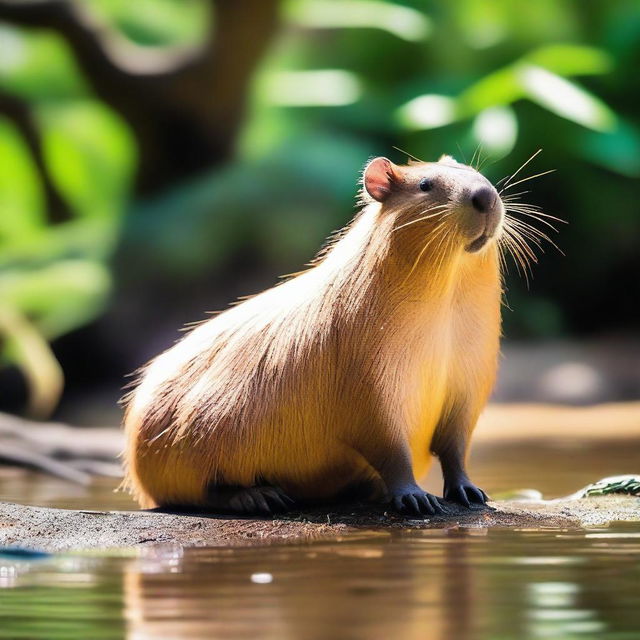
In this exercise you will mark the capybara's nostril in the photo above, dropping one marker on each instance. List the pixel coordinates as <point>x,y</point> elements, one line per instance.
<point>483,199</point>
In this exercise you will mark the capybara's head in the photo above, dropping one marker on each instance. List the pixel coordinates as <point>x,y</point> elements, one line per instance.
<point>445,199</point>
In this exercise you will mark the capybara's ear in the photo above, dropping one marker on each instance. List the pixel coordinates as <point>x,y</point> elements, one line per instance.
<point>380,177</point>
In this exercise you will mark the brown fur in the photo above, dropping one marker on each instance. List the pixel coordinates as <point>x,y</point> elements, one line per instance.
<point>391,334</point>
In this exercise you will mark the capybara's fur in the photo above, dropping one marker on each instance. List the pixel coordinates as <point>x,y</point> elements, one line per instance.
<point>389,341</point>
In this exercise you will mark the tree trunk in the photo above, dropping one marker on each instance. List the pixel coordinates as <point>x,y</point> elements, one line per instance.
<point>184,111</point>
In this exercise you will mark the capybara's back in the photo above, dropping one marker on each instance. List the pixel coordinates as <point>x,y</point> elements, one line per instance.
<point>262,393</point>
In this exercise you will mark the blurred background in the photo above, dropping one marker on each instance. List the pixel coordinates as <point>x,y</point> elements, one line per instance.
<point>159,158</point>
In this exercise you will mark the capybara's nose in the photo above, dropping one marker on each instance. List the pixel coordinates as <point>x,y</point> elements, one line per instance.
<point>484,198</point>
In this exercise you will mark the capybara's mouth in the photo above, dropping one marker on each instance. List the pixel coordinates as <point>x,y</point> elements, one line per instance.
<point>478,243</point>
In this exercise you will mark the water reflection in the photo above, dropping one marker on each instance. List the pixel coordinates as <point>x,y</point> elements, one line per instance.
<point>61,598</point>
<point>441,584</point>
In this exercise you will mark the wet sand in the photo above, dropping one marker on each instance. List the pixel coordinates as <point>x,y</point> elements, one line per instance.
<point>48,529</point>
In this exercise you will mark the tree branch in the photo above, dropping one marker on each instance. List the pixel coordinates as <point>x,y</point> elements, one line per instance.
<point>213,86</point>
<point>183,106</point>
<point>69,20</point>
<point>68,452</point>
<point>99,50</point>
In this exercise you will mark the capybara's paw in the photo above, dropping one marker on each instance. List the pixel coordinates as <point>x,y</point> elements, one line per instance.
<point>465,493</point>
<point>262,500</point>
<point>414,501</point>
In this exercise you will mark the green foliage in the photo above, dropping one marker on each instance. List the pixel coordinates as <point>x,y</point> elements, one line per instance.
<point>38,66</point>
<point>20,197</point>
<point>537,76</point>
<point>284,231</point>
<point>344,79</point>
<point>504,79</point>
<point>156,22</point>
<point>616,485</point>
<point>404,22</point>
<point>54,278</point>
<point>90,155</point>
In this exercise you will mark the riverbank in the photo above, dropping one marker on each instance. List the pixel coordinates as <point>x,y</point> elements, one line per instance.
<point>46,529</point>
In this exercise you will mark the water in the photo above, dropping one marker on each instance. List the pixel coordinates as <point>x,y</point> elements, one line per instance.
<point>454,584</point>
<point>444,584</point>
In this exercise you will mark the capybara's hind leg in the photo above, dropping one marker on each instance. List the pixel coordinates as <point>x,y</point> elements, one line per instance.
<point>265,500</point>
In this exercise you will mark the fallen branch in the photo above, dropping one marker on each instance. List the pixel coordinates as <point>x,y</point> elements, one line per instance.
<point>71,453</point>
<point>17,455</point>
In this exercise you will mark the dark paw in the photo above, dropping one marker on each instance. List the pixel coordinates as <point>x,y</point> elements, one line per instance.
<point>415,501</point>
<point>465,493</point>
<point>251,500</point>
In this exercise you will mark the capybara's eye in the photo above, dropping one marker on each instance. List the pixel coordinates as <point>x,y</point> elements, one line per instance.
<point>426,184</point>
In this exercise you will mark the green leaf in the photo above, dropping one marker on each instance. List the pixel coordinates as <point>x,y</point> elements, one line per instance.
<point>21,202</point>
<point>499,88</point>
<point>38,65</point>
<point>93,238</point>
<point>507,85</point>
<point>616,485</point>
<point>404,22</point>
<point>90,154</point>
<point>58,297</point>
<point>565,98</point>
<point>571,59</point>
<point>159,23</point>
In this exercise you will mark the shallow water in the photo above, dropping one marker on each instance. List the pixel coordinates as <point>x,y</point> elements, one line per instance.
<point>455,583</point>
<point>460,583</point>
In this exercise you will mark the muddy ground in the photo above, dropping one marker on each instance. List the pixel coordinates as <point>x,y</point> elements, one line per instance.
<point>62,530</point>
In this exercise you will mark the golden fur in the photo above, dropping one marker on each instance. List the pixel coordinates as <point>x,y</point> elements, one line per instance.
<point>392,333</point>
